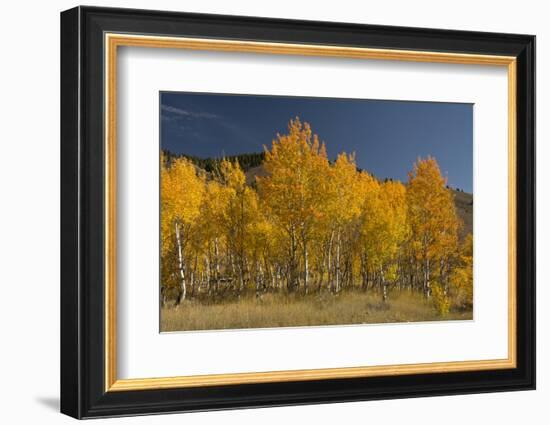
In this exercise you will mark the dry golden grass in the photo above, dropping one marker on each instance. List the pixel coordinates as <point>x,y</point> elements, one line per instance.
<point>278,310</point>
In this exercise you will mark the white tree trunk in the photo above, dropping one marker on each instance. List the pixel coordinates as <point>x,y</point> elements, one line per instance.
<point>306,269</point>
<point>208,272</point>
<point>427,283</point>
<point>384,285</point>
<point>181,266</point>
<point>217,263</point>
<point>338,262</point>
<point>329,263</point>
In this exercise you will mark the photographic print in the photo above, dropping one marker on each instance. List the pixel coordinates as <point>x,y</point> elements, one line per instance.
<point>279,211</point>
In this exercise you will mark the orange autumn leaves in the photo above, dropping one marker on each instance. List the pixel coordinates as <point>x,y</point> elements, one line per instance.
<point>310,225</point>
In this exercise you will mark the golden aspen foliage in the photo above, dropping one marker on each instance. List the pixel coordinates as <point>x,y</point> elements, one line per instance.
<point>431,208</point>
<point>182,192</point>
<point>394,227</point>
<point>344,191</point>
<point>371,225</point>
<point>440,299</point>
<point>295,167</point>
<point>213,211</point>
<point>462,276</point>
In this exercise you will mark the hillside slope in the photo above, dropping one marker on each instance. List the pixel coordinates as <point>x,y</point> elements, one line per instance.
<point>464,203</point>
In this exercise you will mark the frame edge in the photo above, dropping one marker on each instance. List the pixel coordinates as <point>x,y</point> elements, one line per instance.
<point>70,349</point>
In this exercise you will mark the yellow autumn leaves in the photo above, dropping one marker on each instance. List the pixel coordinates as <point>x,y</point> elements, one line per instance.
<point>309,225</point>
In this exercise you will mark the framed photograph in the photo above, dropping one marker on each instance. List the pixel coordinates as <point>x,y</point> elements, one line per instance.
<point>260,212</point>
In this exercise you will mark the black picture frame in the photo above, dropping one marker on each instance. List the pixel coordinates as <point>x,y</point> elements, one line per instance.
<point>82,218</point>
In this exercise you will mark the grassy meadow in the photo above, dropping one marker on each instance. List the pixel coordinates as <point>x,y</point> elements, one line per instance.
<point>283,310</point>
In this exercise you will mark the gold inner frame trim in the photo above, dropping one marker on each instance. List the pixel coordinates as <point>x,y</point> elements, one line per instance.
<point>113,41</point>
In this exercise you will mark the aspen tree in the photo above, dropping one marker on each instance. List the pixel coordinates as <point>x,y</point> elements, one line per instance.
<point>182,192</point>
<point>433,220</point>
<point>293,192</point>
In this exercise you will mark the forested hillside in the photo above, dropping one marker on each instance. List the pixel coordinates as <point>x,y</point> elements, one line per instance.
<point>213,165</point>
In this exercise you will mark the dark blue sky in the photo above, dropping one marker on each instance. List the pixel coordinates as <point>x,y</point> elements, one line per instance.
<point>386,136</point>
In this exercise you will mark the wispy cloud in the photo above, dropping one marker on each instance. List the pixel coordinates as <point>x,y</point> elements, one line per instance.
<point>186,113</point>
<point>202,122</point>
